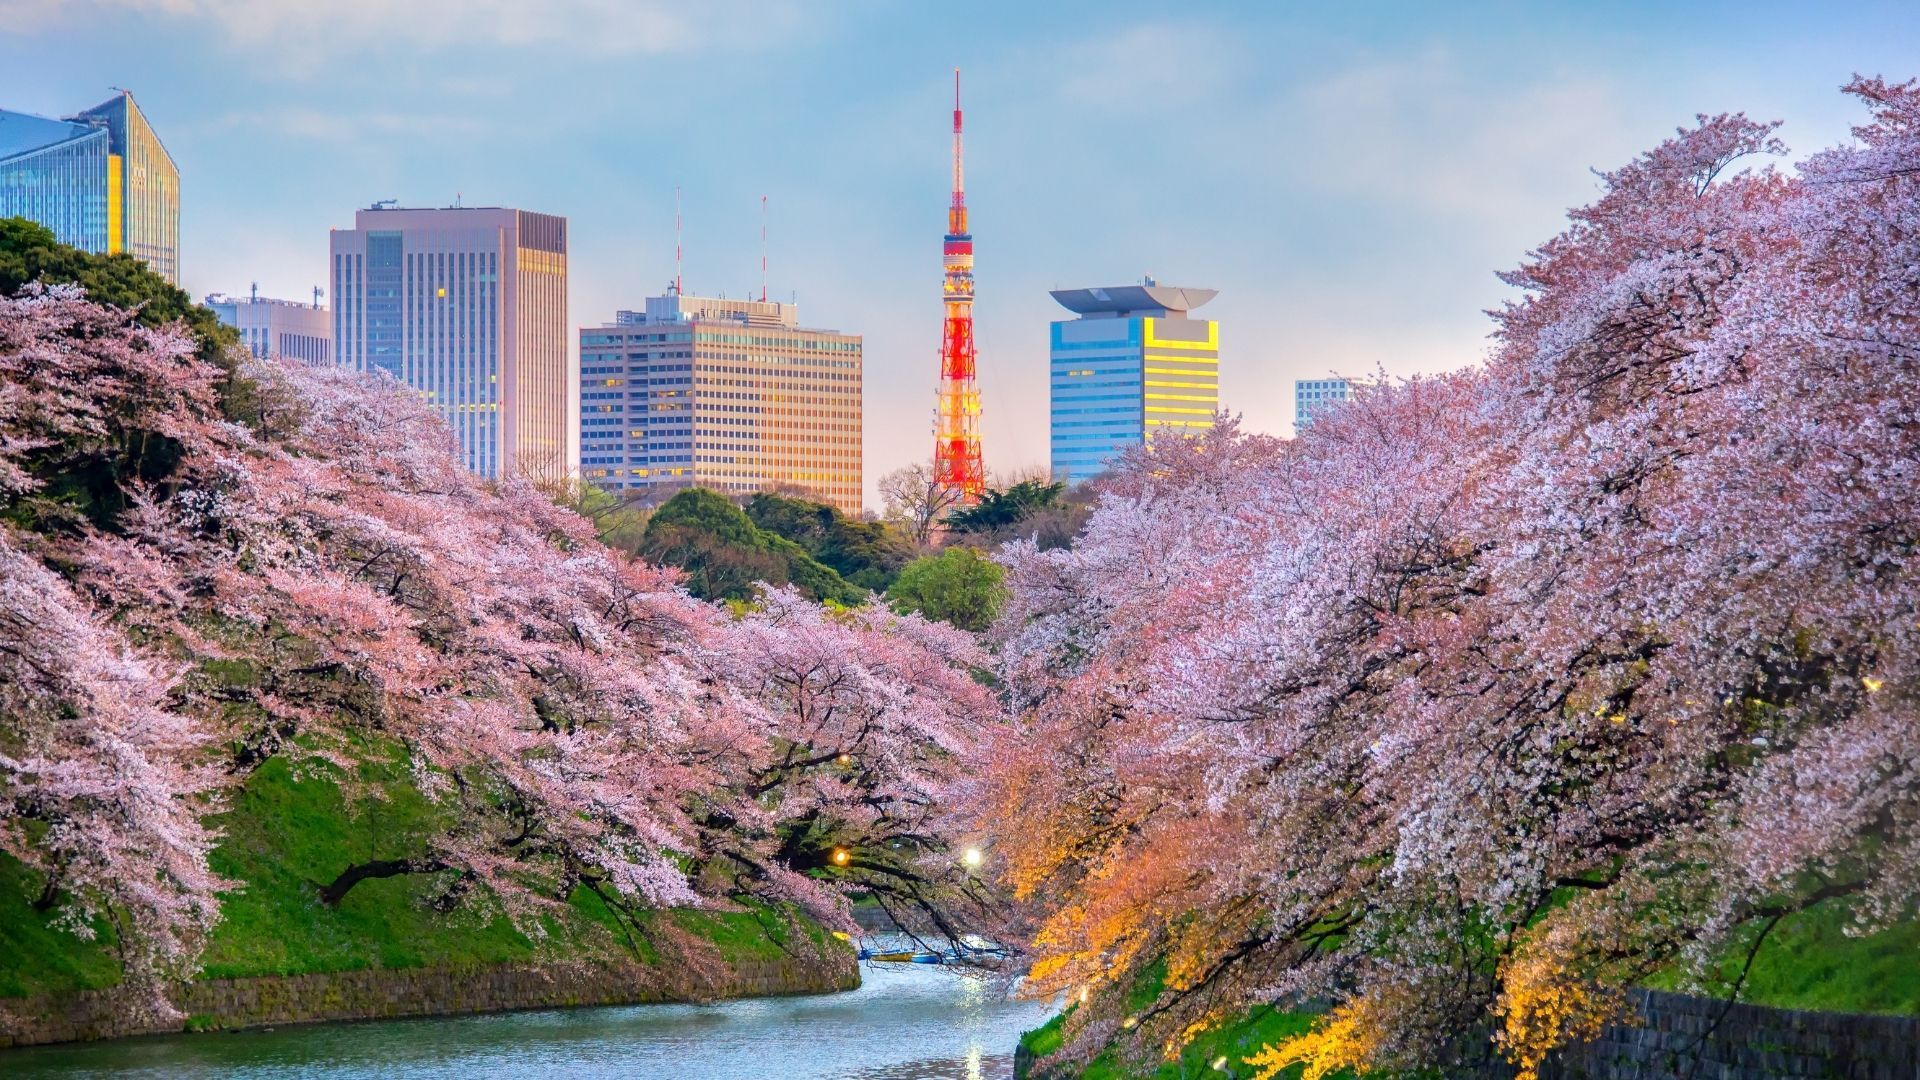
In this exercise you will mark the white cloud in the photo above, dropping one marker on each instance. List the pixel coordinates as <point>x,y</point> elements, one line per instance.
<point>1152,67</point>
<point>334,27</point>
<point>344,126</point>
<point>1424,131</point>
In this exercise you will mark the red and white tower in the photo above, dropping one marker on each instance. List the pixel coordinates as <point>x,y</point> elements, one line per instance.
<point>956,437</point>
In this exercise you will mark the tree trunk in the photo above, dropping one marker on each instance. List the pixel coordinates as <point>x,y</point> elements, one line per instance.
<point>332,894</point>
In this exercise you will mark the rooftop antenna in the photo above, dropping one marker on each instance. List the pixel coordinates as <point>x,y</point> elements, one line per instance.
<point>676,240</point>
<point>763,249</point>
<point>318,292</point>
<point>456,200</point>
<point>253,294</point>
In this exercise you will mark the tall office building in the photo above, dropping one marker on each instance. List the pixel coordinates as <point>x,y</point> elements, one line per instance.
<point>467,305</point>
<point>284,329</point>
<point>1310,396</point>
<point>733,395</point>
<point>100,180</point>
<point>1133,367</point>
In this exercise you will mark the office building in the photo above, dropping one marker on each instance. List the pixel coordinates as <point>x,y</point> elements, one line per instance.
<point>282,329</point>
<point>101,180</point>
<point>732,395</point>
<point>1134,366</point>
<point>1310,396</point>
<point>467,305</point>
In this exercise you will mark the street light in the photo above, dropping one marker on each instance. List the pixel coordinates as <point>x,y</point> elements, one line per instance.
<point>972,857</point>
<point>841,856</point>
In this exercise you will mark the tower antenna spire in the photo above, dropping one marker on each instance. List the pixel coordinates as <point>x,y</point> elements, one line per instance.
<point>677,291</point>
<point>763,249</point>
<point>956,442</point>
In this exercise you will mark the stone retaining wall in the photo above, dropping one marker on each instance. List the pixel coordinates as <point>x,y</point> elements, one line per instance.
<point>383,994</point>
<point>1703,1039</point>
<point>1680,1037</point>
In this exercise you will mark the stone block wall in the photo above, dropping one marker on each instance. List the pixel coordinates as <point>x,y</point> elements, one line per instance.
<point>1679,1036</point>
<point>384,994</point>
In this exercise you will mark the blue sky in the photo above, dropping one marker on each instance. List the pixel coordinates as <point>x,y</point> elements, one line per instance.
<point>1348,176</point>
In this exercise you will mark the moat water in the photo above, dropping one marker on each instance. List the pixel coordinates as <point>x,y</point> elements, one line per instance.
<point>902,1023</point>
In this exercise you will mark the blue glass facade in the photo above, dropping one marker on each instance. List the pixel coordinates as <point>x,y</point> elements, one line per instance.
<point>1120,381</point>
<point>62,186</point>
<point>466,305</point>
<point>1095,386</point>
<point>100,181</point>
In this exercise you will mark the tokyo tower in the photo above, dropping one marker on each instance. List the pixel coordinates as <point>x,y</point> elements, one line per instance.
<point>956,445</point>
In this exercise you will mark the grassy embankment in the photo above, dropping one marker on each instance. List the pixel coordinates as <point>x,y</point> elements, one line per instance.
<point>1808,961</point>
<point>283,836</point>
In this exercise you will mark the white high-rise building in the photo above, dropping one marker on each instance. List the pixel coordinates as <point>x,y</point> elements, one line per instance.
<point>467,305</point>
<point>1311,396</point>
<point>283,329</point>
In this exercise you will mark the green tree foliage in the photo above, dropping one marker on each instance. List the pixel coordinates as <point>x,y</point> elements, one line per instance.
<point>724,553</point>
<point>29,253</point>
<point>866,553</point>
<point>1006,506</point>
<point>959,585</point>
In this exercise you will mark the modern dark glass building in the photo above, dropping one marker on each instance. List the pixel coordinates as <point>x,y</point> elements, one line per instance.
<point>1133,367</point>
<point>101,180</point>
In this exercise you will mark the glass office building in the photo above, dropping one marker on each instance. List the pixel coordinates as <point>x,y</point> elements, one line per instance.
<point>1133,367</point>
<point>467,305</point>
<point>101,180</point>
<point>731,395</point>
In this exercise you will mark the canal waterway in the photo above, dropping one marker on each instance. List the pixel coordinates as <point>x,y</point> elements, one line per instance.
<point>904,1023</point>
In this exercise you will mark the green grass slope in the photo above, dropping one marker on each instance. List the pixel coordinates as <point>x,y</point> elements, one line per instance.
<point>283,836</point>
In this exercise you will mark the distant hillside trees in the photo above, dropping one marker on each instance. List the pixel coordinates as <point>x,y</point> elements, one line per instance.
<point>866,553</point>
<point>725,554</point>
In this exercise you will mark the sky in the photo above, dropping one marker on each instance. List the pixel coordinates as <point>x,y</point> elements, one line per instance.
<point>1349,177</point>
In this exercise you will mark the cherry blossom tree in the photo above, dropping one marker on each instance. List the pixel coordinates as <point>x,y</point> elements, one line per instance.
<point>1494,692</point>
<point>103,774</point>
<point>875,716</point>
<point>189,596</point>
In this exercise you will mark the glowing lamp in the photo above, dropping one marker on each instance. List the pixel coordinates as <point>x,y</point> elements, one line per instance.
<point>841,856</point>
<point>971,857</point>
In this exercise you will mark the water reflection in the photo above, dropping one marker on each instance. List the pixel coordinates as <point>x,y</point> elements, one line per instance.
<point>901,1024</point>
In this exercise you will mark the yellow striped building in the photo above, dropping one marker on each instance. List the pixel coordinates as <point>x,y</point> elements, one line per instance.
<point>1133,367</point>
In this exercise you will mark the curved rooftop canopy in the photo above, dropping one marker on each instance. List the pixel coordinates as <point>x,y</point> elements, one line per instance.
<point>1124,298</point>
